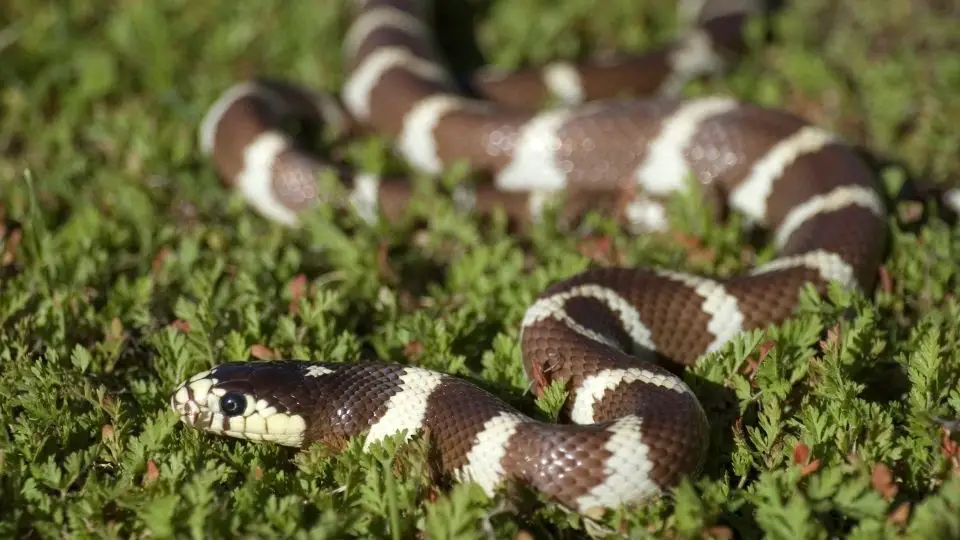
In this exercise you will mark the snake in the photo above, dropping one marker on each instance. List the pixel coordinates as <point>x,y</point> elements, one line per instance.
<point>631,428</point>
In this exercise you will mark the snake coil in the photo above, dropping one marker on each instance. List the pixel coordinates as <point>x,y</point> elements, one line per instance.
<point>634,427</point>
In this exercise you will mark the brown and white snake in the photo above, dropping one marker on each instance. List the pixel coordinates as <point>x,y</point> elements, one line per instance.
<point>635,429</point>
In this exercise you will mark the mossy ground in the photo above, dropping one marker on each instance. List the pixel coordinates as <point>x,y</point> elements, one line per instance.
<point>136,268</point>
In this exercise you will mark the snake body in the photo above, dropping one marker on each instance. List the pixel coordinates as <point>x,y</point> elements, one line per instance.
<point>634,428</point>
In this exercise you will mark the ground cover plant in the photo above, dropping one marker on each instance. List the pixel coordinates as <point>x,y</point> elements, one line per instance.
<point>130,267</point>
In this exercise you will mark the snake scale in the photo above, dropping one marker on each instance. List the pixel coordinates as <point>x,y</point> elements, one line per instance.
<point>632,428</point>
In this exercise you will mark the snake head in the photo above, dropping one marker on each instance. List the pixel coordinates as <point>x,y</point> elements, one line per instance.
<point>245,400</point>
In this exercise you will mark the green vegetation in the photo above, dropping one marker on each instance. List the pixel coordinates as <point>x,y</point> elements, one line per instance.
<point>136,268</point>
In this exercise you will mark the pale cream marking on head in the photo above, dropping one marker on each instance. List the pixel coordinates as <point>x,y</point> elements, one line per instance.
<point>318,371</point>
<point>259,420</point>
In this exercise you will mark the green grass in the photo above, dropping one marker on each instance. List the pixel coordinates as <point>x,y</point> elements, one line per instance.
<point>136,269</point>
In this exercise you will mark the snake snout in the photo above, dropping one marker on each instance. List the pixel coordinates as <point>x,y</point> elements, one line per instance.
<point>183,401</point>
<point>238,400</point>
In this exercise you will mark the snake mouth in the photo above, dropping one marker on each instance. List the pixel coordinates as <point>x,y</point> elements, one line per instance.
<point>190,401</point>
<point>189,410</point>
<point>201,403</point>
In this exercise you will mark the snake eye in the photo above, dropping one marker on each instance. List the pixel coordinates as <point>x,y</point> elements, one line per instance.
<point>233,403</point>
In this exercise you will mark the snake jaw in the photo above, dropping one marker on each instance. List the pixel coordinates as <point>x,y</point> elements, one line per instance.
<point>191,413</point>
<point>189,400</point>
<point>199,402</point>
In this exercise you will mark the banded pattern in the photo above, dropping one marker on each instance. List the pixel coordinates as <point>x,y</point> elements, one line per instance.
<point>477,436</point>
<point>634,427</point>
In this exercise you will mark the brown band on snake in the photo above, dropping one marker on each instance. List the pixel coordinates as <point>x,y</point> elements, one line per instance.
<point>705,51</point>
